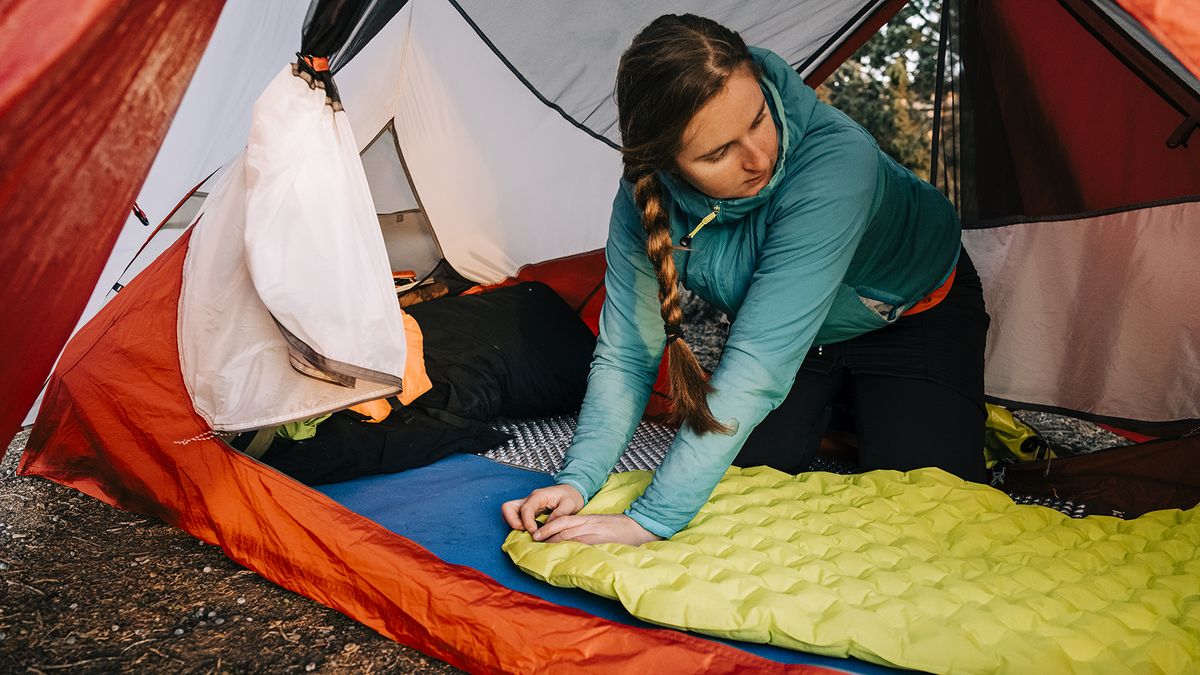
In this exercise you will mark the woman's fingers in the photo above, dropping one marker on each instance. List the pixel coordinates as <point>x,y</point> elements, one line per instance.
<point>534,504</point>
<point>612,528</point>
<point>512,513</point>
<point>550,530</point>
<point>586,531</point>
<point>560,500</point>
<point>580,533</point>
<point>564,508</point>
<point>583,535</point>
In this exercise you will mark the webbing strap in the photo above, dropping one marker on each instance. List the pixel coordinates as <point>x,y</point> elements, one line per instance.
<point>262,440</point>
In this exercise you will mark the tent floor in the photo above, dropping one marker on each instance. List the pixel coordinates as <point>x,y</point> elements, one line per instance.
<point>458,519</point>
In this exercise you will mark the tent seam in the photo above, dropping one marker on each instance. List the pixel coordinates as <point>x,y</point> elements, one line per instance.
<point>1118,54</point>
<point>529,85</point>
<point>1081,215</point>
<point>817,57</point>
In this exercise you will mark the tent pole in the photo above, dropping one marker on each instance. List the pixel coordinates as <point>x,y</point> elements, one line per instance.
<point>413,186</point>
<point>938,94</point>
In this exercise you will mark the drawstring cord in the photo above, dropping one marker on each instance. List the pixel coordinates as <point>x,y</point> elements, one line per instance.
<point>674,332</point>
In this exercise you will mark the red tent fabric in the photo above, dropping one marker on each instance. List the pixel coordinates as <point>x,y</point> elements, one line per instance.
<point>87,95</point>
<point>1071,148</point>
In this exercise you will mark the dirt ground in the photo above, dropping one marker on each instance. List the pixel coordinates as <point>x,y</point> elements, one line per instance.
<point>88,589</point>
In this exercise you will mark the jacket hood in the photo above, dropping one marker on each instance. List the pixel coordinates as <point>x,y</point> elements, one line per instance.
<point>777,82</point>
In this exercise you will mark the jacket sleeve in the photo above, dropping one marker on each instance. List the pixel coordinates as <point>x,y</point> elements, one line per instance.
<point>814,228</point>
<point>628,351</point>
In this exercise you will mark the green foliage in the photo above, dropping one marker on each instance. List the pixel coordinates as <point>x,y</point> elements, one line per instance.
<point>888,85</point>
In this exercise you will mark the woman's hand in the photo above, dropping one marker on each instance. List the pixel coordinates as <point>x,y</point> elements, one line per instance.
<point>616,528</point>
<point>559,500</point>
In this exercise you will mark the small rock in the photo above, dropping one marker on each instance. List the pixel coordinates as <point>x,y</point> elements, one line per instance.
<point>74,605</point>
<point>3,635</point>
<point>308,668</point>
<point>241,601</point>
<point>3,566</point>
<point>211,614</point>
<point>179,631</point>
<point>71,639</point>
<point>200,612</point>
<point>249,619</point>
<point>114,628</point>
<point>133,564</point>
<point>207,569</point>
<point>219,621</point>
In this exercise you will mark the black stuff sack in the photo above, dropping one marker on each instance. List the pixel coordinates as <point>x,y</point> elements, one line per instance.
<point>347,447</point>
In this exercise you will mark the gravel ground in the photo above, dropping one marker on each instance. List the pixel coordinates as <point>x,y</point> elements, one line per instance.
<point>91,589</point>
<point>1069,435</point>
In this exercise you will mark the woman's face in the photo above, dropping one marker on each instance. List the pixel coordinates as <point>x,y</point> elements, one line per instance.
<point>730,145</point>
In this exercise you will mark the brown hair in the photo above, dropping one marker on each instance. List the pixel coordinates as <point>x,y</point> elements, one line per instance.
<point>672,68</point>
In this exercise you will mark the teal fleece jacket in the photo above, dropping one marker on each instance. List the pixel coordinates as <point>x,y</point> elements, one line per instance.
<point>838,222</point>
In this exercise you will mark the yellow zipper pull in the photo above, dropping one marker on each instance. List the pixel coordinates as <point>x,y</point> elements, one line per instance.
<point>687,239</point>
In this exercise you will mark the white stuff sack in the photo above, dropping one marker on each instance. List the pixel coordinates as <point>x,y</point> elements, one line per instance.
<point>286,272</point>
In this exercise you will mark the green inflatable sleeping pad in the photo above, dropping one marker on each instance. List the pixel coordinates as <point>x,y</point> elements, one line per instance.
<point>918,570</point>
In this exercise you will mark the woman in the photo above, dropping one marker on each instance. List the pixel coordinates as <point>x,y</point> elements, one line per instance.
<point>840,267</point>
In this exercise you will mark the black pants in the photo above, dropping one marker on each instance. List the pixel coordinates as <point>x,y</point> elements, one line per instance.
<point>914,390</point>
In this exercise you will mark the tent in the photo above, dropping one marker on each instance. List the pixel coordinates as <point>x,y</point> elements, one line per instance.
<point>490,128</point>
